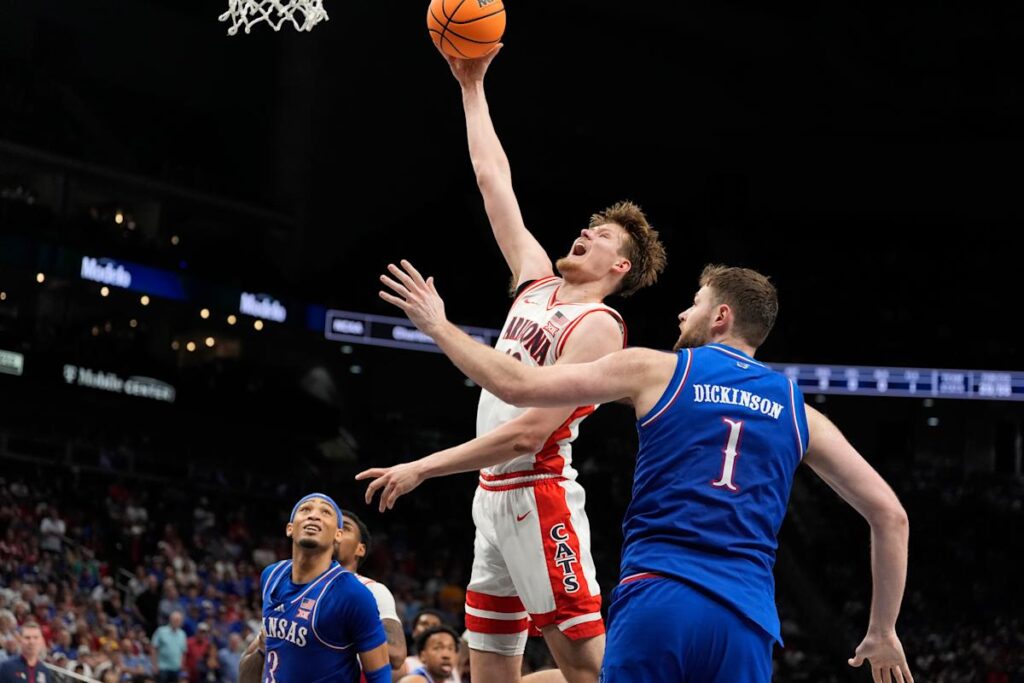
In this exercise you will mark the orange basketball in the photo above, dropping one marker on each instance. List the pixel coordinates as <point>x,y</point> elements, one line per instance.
<point>466,28</point>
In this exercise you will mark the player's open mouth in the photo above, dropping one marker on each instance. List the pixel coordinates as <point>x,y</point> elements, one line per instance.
<point>312,527</point>
<point>579,248</point>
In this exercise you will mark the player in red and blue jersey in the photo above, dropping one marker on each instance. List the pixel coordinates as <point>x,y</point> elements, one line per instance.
<point>721,436</point>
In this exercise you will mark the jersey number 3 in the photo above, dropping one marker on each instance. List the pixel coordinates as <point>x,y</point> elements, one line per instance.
<point>730,454</point>
<point>271,665</point>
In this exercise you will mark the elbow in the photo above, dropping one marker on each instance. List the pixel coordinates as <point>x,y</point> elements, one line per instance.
<point>528,441</point>
<point>513,394</point>
<point>488,175</point>
<point>396,657</point>
<point>891,518</point>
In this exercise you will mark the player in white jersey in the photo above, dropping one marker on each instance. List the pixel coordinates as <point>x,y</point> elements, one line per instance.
<point>352,549</point>
<point>532,551</point>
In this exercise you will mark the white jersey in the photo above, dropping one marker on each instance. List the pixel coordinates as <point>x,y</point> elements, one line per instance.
<point>535,332</point>
<point>385,600</point>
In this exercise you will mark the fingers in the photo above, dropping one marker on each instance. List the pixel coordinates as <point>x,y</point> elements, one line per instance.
<point>385,495</point>
<point>372,489</point>
<point>394,300</point>
<point>855,661</point>
<point>907,676</point>
<point>415,274</point>
<point>430,285</point>
<point>393,498</point>
<point>897,674</point>
<point>400,289</point>
<point>372,472</point>
<point>876,675</point>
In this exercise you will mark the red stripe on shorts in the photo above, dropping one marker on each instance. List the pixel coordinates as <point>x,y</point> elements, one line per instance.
<point>494,603</point>
<point>568,579</point>
<point>496,626</point>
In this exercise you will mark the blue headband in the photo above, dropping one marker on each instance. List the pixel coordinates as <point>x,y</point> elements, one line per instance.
<point>324,496</point>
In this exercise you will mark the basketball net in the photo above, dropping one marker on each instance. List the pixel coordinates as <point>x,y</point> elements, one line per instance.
<point>303,14</point>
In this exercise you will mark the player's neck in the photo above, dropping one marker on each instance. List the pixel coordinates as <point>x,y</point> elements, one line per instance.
<point>592,292</point>
<point>307,565</point>
<point>736,343</point>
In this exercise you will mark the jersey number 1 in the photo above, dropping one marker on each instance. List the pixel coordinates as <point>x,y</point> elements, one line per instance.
<point>730,454</point>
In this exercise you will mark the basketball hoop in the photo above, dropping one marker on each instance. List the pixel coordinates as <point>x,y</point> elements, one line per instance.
<point>303,14</point>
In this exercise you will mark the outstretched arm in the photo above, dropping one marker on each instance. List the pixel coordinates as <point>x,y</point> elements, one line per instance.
<point>637,374</point>
<point>594,337</point>
<point>833,459</point>
<point>525,257</point>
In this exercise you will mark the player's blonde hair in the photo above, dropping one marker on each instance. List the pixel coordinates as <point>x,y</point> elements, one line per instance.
<point>644,250</point>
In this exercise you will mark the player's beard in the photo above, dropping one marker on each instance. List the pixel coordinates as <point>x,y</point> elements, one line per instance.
<point>568,268</point>
<point>691,339</point>
<point>308,544</point>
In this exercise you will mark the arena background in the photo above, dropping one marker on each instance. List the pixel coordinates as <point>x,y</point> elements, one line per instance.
<point>866,158</point>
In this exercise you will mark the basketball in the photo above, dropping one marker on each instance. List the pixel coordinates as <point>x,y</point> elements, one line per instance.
<point>466,28</point>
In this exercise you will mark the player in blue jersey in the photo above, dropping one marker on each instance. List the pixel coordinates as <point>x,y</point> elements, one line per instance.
<point>319,622</point>
<point>721,435</point>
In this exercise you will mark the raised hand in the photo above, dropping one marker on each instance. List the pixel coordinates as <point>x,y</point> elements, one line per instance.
<point>392,482</point>
<point>416,296</point>
<point>470,71</point>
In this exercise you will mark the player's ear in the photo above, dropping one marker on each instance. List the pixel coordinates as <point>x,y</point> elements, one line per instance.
<point>623,266</point>
<point>360,551</point>
<point>288,529</point>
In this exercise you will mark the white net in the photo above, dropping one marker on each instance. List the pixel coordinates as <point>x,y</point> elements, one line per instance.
<point>303,14</point>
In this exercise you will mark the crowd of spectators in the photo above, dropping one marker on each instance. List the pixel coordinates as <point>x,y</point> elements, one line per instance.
<point>126,576</point>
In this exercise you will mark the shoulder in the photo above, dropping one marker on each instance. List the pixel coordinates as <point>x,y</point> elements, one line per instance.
<point>378,589</point>
<point>270,569</point>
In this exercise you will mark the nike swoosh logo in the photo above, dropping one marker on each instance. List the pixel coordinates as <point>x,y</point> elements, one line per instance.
<point>521,517</point>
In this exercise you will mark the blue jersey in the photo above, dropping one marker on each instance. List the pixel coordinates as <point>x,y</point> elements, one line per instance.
<point>713,477</point>
<point>316,630</point>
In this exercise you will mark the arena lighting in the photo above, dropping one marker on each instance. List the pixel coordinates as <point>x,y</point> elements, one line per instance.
<point>3,296</point>
<point>205,313</point>
<point>104,291</point>
<point>119,218</point>
<point>144,300</point>
<point>258,325</point>
<point>40,278</point>
<point>191,346</point>
<point>232,319</point>
<point>133,323</point>
<point>210,341</point>
<point>175,345</point>
<point>11,363</point>
<point>175,240</point>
